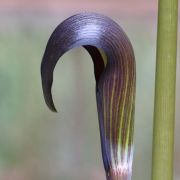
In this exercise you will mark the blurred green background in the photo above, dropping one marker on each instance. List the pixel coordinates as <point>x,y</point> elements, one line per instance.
<point>36,144</point>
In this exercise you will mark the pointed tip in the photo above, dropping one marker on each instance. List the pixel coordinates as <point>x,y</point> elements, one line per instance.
<point>48,98</point>
<point>47,80</point>
<point>52,108</point>
<point>49,102</point>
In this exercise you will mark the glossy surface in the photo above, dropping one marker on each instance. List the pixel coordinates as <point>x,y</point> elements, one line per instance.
<point>115,83</point>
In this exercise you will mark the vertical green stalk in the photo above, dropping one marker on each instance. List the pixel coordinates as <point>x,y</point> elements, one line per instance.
<point>164,112</point>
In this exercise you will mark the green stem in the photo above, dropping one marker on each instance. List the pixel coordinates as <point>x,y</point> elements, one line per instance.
<point>164,112</point>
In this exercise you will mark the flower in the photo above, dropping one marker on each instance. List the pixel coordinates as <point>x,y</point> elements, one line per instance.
<point>114,67</point>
